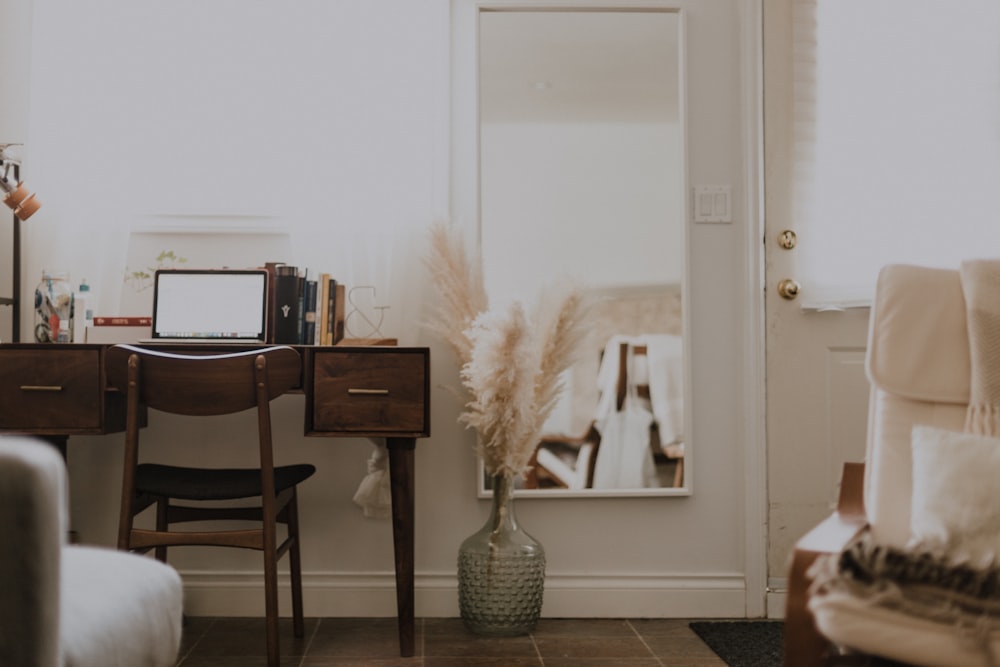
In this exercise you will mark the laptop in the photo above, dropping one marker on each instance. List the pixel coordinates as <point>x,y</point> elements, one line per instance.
<point>209,306</point>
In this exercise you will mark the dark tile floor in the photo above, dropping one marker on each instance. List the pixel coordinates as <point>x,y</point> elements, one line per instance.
<point>444,642</point>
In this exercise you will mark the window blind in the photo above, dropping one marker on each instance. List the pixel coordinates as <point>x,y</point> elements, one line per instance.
<point>896,139</point>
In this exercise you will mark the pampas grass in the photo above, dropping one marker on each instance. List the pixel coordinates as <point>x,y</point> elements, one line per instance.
<point>460,283</point>
<point>511,363</point>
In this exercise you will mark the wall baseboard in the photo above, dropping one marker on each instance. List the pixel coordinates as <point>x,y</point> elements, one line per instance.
<point>329,594</point>
<point>777,596</point>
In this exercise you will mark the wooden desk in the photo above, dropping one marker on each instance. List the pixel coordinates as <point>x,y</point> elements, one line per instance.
<point>59,390</point>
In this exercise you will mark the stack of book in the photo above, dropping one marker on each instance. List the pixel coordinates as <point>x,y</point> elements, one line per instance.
<point>304,311</point>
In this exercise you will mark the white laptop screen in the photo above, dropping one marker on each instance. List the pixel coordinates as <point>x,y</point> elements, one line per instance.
<point>210,304</point>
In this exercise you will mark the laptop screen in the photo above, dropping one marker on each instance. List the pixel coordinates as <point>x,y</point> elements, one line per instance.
<point>210,304</point>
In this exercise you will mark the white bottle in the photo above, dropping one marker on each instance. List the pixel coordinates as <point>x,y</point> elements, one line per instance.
<point>83,312</point>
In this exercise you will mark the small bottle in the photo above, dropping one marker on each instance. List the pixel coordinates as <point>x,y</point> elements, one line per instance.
<point>65,333</point>
<point>83,312</point>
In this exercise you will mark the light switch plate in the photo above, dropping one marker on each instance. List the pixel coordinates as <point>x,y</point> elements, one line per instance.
<point>713,204</point>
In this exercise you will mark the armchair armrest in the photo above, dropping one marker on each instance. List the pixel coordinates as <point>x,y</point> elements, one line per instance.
<point>804,646</point>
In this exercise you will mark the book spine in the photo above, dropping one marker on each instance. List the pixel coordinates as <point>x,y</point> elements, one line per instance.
<point>286,302</point>
<point>300,312</point>
<point>331,309</point>
<point>272,272</point>
<point>123,321</point>
<point>309,317</point>
<point>337,326</point>
<point>323,308</point>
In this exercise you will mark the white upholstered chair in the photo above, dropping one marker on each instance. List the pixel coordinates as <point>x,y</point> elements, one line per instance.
<point>73,606</point>
<point>898,588</point>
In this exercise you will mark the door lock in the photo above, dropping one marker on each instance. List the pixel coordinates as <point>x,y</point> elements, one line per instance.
<point>788,289</point>
<point>787,239</point>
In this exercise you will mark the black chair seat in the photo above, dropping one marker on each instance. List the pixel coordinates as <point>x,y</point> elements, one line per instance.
<point>214,484</point>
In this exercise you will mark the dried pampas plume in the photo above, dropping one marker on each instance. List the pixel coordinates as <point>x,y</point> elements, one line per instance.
<point>460,283</point>
<point>512,365</point>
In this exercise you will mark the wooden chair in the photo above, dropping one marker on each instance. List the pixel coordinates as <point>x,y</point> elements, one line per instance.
<point>568,462</point>
<point>212,384</point>
<point>548,467</point>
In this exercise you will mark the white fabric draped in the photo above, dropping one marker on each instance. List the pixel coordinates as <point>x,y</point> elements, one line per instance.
<point>624,459</point>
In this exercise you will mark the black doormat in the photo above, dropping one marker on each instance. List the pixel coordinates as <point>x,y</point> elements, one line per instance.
<point>744,643</point>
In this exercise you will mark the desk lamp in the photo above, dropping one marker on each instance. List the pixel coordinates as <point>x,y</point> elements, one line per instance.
<point>24,204</point>
<point>16,195</point>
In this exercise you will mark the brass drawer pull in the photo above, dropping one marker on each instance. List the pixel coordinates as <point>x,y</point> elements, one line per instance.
<point>368,391</point>
<point>41,387</point>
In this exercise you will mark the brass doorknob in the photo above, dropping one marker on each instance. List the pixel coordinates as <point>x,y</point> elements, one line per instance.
<point>788,289</point>
<point>787,239</point>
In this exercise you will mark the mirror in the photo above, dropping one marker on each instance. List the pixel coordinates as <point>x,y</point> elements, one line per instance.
<point>582,174</point>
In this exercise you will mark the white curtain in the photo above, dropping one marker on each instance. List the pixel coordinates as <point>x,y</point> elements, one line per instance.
<point>896,135</point>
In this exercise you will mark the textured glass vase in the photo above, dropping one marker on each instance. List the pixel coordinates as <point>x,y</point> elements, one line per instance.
<point>53,308</point>
<point>501,572</point>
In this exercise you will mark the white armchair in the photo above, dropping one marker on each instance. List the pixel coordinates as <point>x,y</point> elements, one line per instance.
<point>907,568</point>
<point>73,606</point>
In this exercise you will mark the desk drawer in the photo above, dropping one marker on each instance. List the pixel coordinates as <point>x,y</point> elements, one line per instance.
<point>377,391</point>
<point>50,389</point>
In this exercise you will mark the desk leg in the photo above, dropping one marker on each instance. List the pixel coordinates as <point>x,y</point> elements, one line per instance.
<point>401,475</point>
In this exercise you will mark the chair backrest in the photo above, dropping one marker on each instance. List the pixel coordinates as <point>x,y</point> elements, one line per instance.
<point>918,365</point>
<point>203,384</point>
<point>639,375</point>
<point>34,522</point>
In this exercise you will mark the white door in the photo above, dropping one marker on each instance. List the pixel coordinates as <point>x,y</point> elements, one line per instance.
<point>817,392</point>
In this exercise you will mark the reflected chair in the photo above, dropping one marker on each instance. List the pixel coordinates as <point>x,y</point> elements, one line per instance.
<point>567,463</point>
<point>570,462</point>
<point>663,452</point>
<point>640,411</point>
<point>206,385</point>
<point>860,582</point>
<point>65,605</point>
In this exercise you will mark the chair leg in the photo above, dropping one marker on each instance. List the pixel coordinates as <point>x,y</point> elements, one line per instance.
<point>294,564</point>
<point>161,526</point>
<point>271,592</point>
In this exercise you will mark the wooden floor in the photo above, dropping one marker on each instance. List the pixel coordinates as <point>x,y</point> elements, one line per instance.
<point>440,642</point>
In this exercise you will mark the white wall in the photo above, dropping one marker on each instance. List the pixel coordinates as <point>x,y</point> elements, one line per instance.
<point>336,123</point>
<point>599,202</point>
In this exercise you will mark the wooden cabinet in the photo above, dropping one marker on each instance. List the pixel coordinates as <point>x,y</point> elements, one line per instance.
<point>350,391</point>
<point>368,391</point>
<point>56,389</point>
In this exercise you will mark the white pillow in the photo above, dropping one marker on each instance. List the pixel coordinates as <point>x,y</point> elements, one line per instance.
<point>955,504</point>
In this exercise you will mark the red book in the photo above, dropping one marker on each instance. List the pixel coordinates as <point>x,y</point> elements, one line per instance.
<point>124,321</point>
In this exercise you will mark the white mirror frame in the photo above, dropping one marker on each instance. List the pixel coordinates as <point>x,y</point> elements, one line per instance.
<point>466,203</point>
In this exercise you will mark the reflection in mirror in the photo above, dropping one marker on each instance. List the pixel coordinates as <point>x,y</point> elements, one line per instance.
<point>582,175</point>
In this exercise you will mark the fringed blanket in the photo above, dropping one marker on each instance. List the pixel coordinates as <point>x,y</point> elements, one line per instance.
<point>922,583</point>
<point>981,288</point>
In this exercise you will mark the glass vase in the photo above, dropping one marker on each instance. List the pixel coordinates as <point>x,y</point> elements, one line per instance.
<point>53,308</point>
<point>501,572</point>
